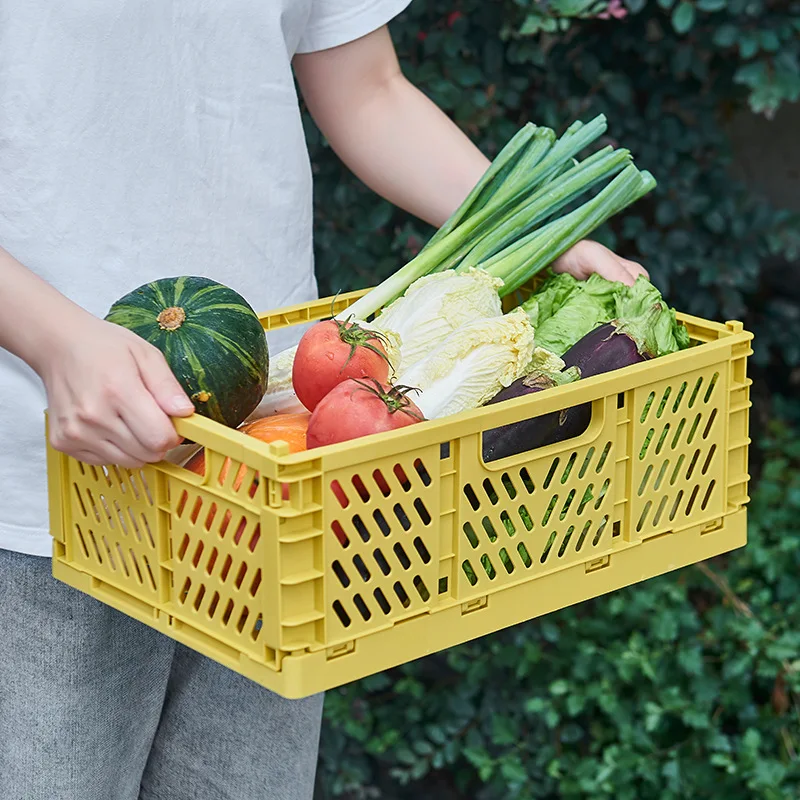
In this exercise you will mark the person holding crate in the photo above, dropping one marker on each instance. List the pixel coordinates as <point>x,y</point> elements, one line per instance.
<point>138,140</point>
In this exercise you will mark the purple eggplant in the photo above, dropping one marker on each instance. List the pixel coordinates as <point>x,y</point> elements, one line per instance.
<point>604,349</point>
<point>528,434</point>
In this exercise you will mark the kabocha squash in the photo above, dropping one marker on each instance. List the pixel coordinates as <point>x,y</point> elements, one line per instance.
<point>210,337</point>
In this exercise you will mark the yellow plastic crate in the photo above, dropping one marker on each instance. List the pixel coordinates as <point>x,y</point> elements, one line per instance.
<point>439,548</point>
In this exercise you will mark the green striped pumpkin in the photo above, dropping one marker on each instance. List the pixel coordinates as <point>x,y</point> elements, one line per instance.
<point>210,337</point>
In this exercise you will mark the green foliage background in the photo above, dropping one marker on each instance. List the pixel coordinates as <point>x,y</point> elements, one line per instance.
<point>685,686</point>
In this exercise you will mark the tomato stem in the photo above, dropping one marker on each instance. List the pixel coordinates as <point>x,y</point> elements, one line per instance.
<point>352,334</point>
<point>396,399</point>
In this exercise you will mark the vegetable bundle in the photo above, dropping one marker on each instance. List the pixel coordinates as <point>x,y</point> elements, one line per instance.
<point>509,227</point>
<point>437,324</point>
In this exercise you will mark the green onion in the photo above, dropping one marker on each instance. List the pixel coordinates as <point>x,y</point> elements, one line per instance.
<point>505,201</point>
<point>516,182</point>
<point>517,265</point>
<point>514,229</point>
<point>496,174</point>
<point>509,225</point>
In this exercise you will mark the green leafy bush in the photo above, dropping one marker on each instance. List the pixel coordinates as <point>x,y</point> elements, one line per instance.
<point>686,686</point>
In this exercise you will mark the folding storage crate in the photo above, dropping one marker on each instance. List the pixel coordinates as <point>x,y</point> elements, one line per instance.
<point>357,557</point>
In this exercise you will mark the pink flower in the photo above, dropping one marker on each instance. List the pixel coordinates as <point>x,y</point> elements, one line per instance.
<point>413,244</point>
<point>614,9</point>
<point>453,17</point>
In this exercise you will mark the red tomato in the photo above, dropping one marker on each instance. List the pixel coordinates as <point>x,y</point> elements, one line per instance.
<point>357,408</point>
<point>331,352</point>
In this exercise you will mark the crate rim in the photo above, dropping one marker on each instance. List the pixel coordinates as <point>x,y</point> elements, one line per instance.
<point>345,299</point>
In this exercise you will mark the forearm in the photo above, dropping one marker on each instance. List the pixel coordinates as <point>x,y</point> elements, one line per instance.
<point>34,313</point>
<point>387,131</point>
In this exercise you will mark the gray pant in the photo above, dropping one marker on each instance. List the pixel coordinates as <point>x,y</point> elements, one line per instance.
<point>97,706</point>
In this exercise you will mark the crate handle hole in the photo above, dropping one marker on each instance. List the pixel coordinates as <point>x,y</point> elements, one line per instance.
<point>537,432</point>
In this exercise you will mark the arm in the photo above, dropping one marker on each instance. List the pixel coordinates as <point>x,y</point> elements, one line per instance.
<point>386,130</point>
<point>109,392</point>
<point>403,146</point>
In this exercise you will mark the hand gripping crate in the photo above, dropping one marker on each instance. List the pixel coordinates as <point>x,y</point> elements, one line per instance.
<point>307,571</point>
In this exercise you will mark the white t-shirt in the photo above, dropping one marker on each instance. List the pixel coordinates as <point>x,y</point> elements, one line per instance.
<point>140,140</point>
